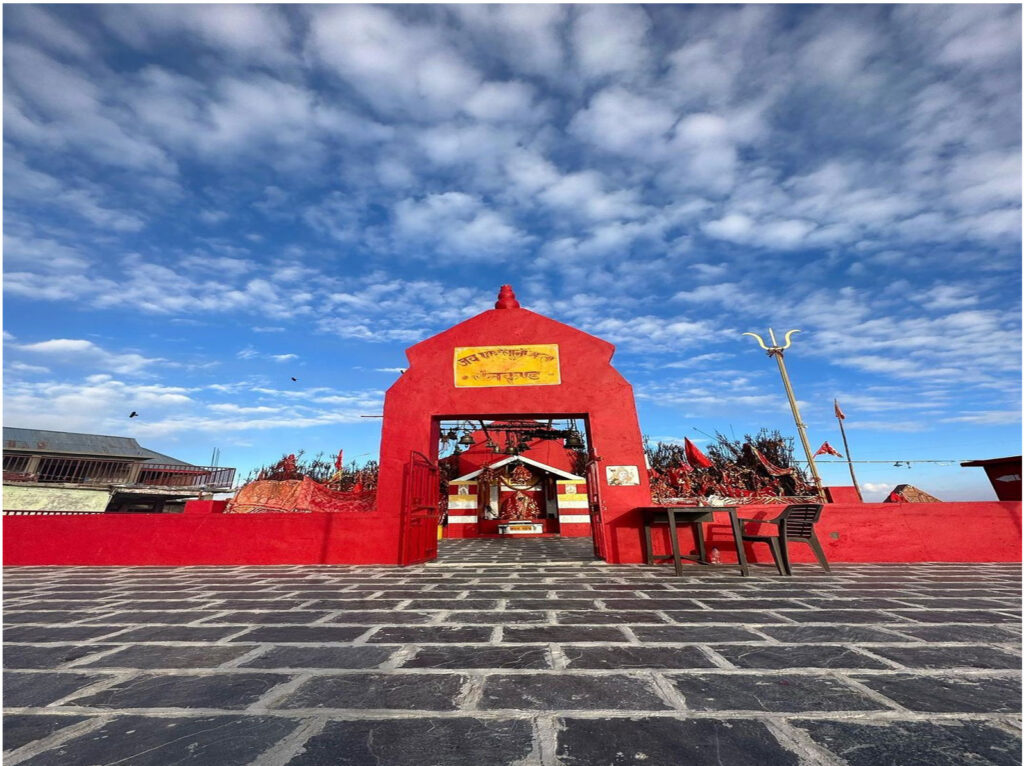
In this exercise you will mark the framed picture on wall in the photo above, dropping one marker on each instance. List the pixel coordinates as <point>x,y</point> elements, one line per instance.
<point>622,475</point>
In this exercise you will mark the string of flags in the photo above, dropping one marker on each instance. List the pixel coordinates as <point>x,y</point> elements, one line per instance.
<point>828,449</point>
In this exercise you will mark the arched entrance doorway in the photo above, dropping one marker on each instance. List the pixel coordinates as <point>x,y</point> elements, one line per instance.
<point>510,363</point>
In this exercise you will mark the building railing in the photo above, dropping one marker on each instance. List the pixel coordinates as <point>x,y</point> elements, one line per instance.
<point>93,471</point>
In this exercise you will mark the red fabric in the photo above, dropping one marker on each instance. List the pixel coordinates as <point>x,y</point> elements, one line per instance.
<point>297,496</point>
<point>839,412</point>
<point>827,449</point>
<point>338,463</point>
<point>771,468</point>
<point>695,456</point>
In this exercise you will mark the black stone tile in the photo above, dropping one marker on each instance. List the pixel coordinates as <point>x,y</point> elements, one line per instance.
<point>568,692</point>
<point>126,618</point>
<point>970,604</point>
<point>629,657</point>
<point>693,634</point>
<point>257,603</point>
<point>39,689</point>
<point>844,616</point>
<point>519,593</point>
<point>169,657</point>
<point>938,657</point>
<point>812,634</point>
<point>551,603</point>
<point>650,604</point>
<point>42,657</point>
<point>298,617</point>
<point>447,741</point>
<point>227,691</point>
<point>982,633</point>
<point>939,615</point>
<point>463,605</point>
<point>169,606</point>
<point>752,603</point>
<point>55,616</point>
<point>853,603</point>
<point>433,634</point>
<point>668,742</point>
<point>799,656</point>
<point>76,595</point>
<point>916,743</point>
<point>378,618</point>
<point>31,634</point>
<point>780,694</point>
<point>159,633</point>
<point>563,634</point>
<point>701,616</point>
<point>371,604</point>
<point>301,634</point>
<point>608,618</point>
<point>140,741</point>
<point>321,657</point>
<point>934,694</point>
<point>377,691</point>
<point>497,618</point>
<point>20,730</point>
<point>497,657</point>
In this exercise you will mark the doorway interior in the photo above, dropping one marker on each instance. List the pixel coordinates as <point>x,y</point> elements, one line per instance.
<point>514,478</point>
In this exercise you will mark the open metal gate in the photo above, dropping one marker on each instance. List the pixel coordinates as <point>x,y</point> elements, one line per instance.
<point>420,510</point>
<point>596,507</point>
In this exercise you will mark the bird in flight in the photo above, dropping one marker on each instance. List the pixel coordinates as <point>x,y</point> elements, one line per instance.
<point>295,379</point>
<point>134,414</point>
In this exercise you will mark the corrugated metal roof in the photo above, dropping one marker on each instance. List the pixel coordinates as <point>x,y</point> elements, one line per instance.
<point>162,459</point>
<point>66,443</point>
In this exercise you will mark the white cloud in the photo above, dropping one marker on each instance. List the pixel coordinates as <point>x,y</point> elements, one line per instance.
<point>85,352</point>
<point>458,224</point>
<point>610,39</point>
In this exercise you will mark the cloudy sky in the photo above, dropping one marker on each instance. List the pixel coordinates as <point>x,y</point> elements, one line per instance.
<point>202,202</point>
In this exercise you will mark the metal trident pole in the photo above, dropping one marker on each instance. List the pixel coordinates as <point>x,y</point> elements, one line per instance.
<point>777,351</point>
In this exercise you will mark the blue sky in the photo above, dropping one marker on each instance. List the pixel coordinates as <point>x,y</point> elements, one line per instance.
<point>201,202</point>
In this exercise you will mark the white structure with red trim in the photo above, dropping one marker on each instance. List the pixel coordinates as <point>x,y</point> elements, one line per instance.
<point>566,507</point>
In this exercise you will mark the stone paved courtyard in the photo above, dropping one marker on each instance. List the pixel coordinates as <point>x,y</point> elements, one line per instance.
<point>533,655</point>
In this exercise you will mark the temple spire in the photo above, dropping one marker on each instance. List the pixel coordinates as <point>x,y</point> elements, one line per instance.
<point>506,298</point>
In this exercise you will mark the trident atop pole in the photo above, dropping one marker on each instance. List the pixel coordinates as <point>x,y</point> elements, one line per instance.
<point>777,351</point>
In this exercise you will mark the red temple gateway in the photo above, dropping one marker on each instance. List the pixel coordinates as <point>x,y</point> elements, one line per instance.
<point>506,364</point>
<point>510,363</point>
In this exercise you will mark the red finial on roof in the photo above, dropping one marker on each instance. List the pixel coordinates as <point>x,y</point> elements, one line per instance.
<point>506,298</point>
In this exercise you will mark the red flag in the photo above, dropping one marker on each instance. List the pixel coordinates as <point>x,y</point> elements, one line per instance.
<point>338,463</point>
<point>770,467</point>
<point>827,449</point>
<point>839,412</point>
<point>695,456</point>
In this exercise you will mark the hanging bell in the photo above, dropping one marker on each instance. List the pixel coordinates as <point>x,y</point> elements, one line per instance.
<point>510,450</point>
<point>491,445</point>
<point>452,434</point>
<point>467,440</point>
<point>574,441</point>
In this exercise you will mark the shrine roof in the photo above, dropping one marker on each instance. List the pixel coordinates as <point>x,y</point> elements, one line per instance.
<point>505,461</point>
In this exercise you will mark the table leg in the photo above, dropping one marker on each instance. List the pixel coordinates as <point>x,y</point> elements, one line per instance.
<point>698,534</point>
<point>674,539</point>
<point>648,547</point>
<point>737,535</point>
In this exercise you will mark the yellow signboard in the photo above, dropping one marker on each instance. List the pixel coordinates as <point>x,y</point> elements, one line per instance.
<point>488,366</point>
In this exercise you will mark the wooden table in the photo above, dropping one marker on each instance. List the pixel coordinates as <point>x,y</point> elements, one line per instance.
<point>695,516</point>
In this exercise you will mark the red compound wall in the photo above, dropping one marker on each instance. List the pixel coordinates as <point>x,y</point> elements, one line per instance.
<point>872,532</point>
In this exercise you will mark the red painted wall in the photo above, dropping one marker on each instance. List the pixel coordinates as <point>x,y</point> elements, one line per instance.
<point>870,532</point>
<point>154,539</point>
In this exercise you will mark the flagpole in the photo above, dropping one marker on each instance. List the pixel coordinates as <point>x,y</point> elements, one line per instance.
<point>846,446</point>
